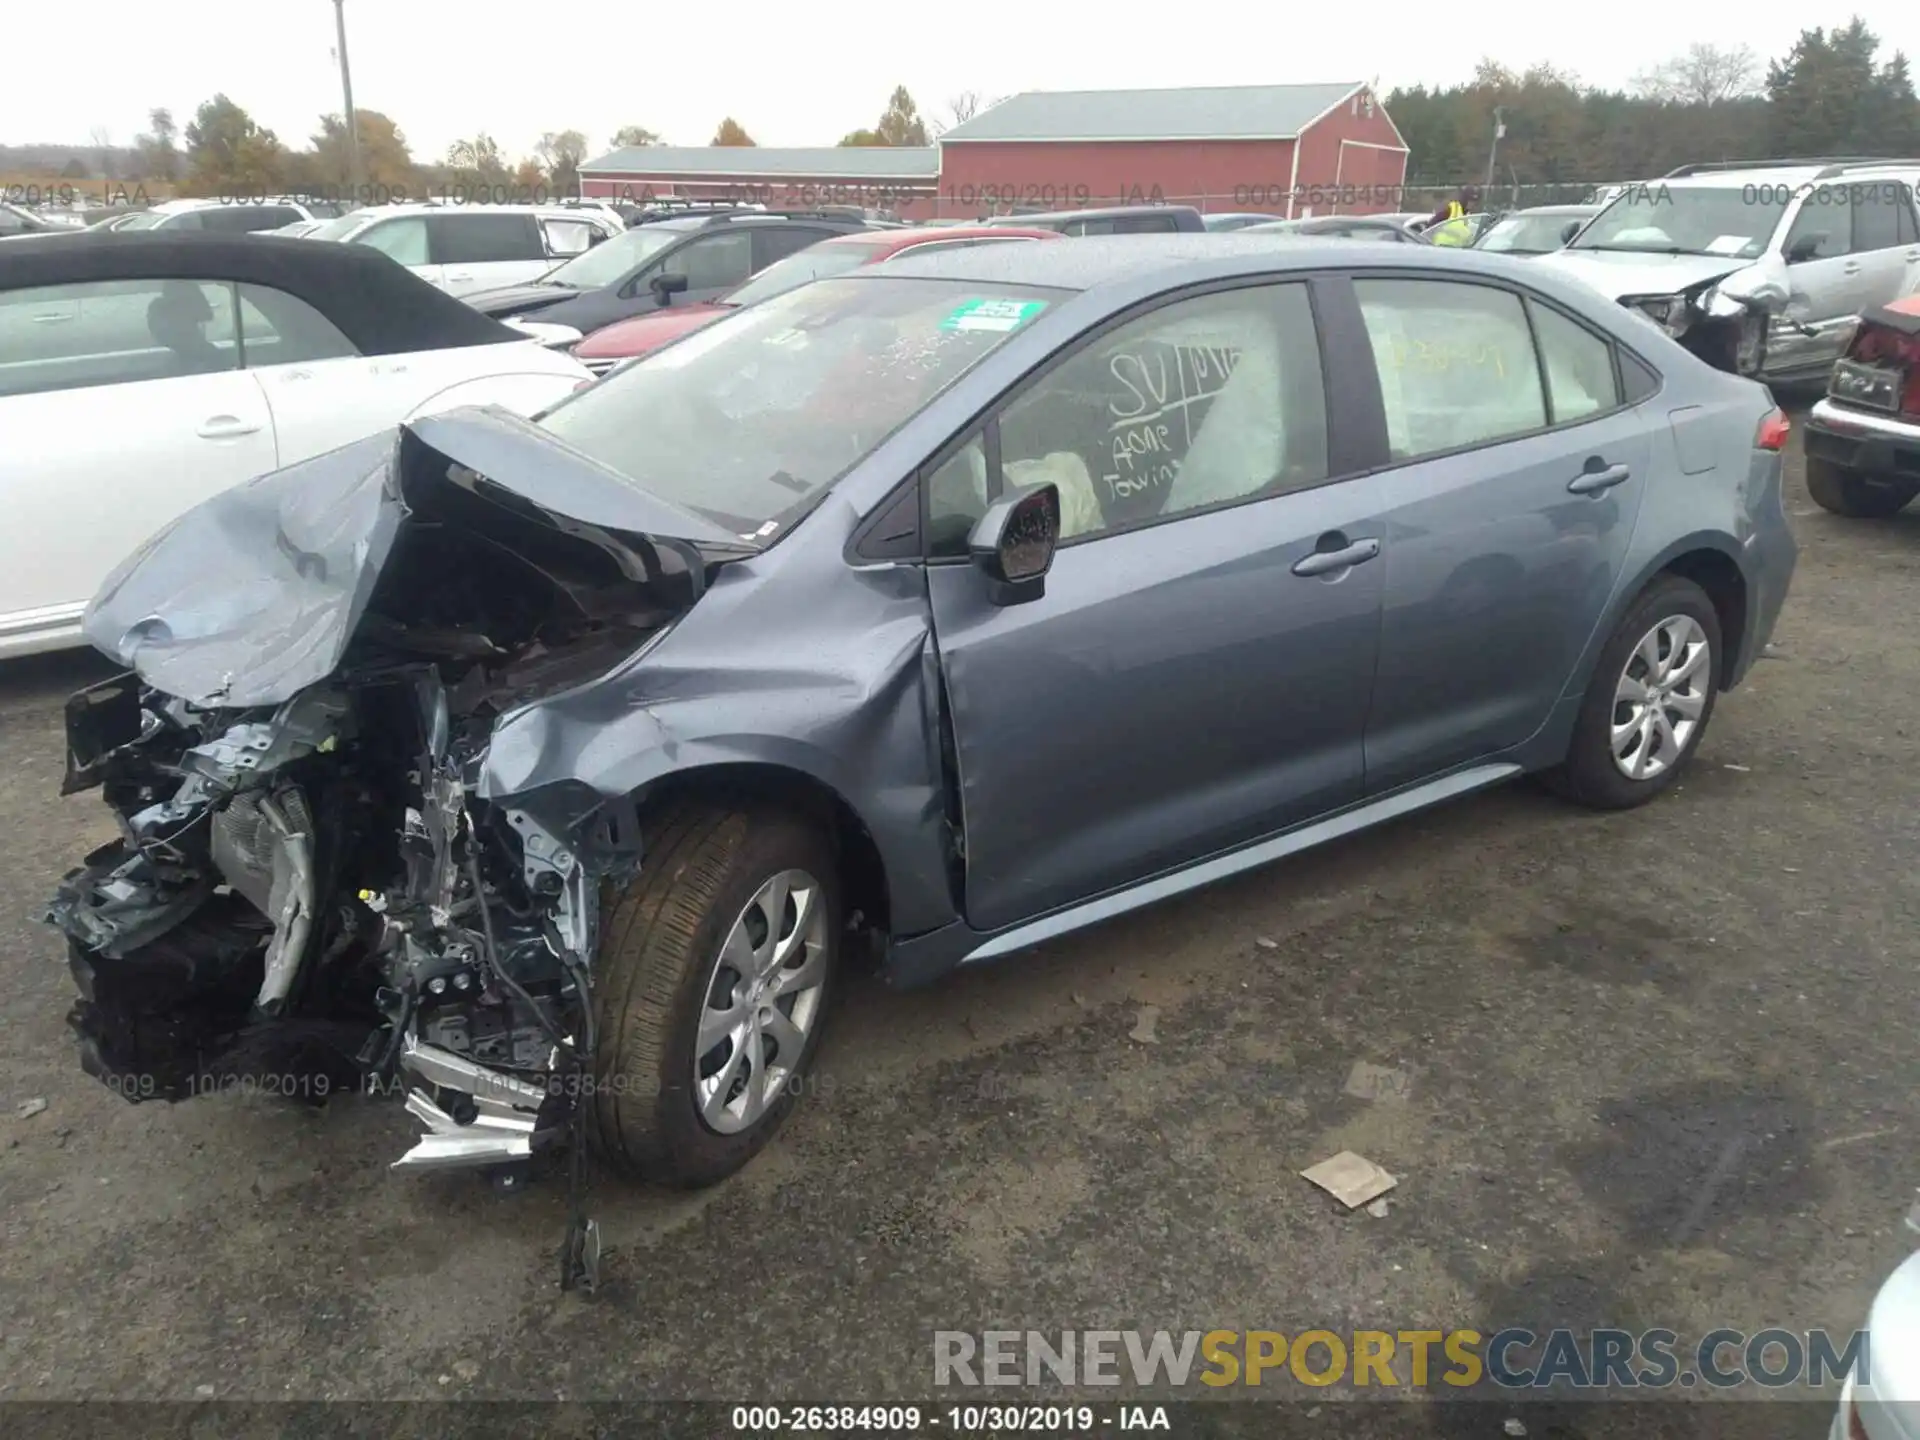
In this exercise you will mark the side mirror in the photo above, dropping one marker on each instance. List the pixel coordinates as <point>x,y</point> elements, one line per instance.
<point>595,237</point>
<point>1805,248</point>
<point>1014,543</point>
<point>665,287</point>
<point>1569,230</point>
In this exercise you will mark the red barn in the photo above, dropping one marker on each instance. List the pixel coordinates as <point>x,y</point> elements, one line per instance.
<point>1283,149</point>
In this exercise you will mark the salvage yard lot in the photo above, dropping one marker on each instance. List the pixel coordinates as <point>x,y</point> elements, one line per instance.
<point>1660,1072</point>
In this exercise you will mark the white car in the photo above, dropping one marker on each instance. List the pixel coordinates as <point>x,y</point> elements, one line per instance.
<point>142,373</point>
<point>1881,1399</point>
<point>467,248</point>
<point>229,216</point>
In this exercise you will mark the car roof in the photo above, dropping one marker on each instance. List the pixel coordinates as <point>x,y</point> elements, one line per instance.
<point>1556,210</point>
<point>1110,212</point>
<point>893,240</point>
<point>1777,175</point>
<point>376,302</point>
<point>437,207</point>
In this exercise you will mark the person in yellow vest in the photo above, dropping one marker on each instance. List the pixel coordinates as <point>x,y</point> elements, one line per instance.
<point>1449,225</point>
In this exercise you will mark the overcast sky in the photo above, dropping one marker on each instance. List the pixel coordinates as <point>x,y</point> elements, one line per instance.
<point>791,75</point>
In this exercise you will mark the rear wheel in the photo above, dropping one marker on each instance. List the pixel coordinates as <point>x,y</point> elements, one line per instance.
<point>1854,493</point>
<point>714,976</point>
<point>1649,701</point>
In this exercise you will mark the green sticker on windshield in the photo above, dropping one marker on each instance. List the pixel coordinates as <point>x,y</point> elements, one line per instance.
<point>993,314</point>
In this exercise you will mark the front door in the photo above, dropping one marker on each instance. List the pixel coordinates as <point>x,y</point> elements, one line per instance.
<point>1197,673</point>
<point>1828,283</point>
<point>1509,506</point>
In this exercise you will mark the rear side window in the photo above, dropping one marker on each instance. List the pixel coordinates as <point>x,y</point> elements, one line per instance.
<point>1637,381</point>
<point>1579,366</point>
<point>480,239</point>
<point>1456,364</point>
<point>1876,214</point>
<point>776,242</point>
<point>281,329</point>
<point>713,262</point>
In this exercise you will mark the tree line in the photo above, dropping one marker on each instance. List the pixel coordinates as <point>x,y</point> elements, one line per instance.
<point>223,150</point>
<point>1830,94</point>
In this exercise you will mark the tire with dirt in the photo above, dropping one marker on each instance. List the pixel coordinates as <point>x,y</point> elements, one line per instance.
<point>712,986</point>
<point>1649,701</point>
<point>1848,492</point>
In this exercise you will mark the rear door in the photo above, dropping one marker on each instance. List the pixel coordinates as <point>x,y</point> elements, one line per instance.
<point>1197,673</point>
<point>111,431</point>
<point>1886,244</point>
<point>1514,476</point>
<point>486,249</point>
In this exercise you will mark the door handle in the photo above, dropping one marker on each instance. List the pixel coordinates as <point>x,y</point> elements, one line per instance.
<point>226,427</point>
<point>1325,562</point>
<point>1592,482</point>
<point>1852,267</point>
<point>460,277</point>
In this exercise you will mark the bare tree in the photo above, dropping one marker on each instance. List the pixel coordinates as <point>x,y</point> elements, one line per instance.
<point>1704,75</point>
<point>102,139</point>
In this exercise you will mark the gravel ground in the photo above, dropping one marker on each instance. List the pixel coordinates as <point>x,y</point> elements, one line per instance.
<point>1658,1071</point>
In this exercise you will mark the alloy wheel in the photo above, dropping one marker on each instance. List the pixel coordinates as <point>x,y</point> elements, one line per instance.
<point>761,1002</point>
<point>1660,698</point>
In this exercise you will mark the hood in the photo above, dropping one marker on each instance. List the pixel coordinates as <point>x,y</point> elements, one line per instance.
<point>518,299</point>
<point>252,596</point>
<point>1616,273</point>
<point>643,334</point>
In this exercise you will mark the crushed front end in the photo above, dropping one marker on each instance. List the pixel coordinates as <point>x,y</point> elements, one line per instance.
<point>307,894</point>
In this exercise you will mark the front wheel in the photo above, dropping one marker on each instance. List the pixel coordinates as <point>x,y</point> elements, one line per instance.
<point>715,971</point>
<point>1850,493</point>
<point>1649,700</point>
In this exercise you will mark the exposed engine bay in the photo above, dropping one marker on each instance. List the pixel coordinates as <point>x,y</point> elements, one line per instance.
<point>309,895</point>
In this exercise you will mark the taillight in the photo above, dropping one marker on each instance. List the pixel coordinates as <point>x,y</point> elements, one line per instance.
<point>1856,1429</point>
<point>1773,432</point>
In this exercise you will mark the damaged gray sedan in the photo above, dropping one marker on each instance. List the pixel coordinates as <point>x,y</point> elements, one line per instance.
<point>549,771</point>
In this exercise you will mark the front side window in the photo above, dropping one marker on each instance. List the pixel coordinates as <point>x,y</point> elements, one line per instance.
<point>712,262</point>
<point>1456,364</point>
<point>1525,234</point>
<point>1823,230</point>
<point>749,419</point>
<point>567,237</point>
<point>405,239</point>
<point>1200,403</point>
<point>113,332</point>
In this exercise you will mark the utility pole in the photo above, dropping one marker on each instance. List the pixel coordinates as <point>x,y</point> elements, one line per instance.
<point>346,90</point>
<point>1499,133</point>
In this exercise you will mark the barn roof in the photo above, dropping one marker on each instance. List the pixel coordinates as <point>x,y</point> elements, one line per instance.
<point>1222,112</point>
<point>830,162</point>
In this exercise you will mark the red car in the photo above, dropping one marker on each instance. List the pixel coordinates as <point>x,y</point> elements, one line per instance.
<point>643,334</point>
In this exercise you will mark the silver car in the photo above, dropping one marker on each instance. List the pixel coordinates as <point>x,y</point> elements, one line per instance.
<point>1847,233</point>
<point>552,770</point>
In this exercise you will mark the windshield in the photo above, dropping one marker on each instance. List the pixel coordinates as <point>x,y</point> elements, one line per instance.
<point>816,262</point>
<point>611,260</point>
<point>145,220</point>
<point>1689,220</point>
<point>753,417</point>
<point>341,228</point>
<point>1526,234</point>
